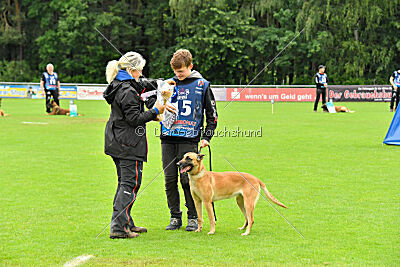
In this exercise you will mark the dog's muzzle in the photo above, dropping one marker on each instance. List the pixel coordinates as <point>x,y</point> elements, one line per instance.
<point>184,167</point>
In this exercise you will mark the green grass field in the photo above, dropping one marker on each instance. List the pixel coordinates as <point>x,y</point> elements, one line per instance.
<point>340,184</point>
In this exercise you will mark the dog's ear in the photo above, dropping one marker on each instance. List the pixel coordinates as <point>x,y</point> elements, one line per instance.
<point>200,157</point>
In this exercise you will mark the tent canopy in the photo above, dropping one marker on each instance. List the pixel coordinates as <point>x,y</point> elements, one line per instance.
<point>393,134</point>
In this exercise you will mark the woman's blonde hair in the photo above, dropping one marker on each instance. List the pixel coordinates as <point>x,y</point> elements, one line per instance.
<point>129,61</point>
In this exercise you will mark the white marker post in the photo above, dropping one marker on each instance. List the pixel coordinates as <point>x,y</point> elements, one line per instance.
<point>330,106</point>
<point>73,109</point>
<point>272,104</point>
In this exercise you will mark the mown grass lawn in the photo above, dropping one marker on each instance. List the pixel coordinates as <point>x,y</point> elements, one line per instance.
<point>340,184</point>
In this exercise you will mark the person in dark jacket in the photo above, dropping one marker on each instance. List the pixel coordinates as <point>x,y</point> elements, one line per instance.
<point>321,82</point>
<point>125,137</point>
<point>194,99</point>
<point>395,82</point>
<point>50,85</point>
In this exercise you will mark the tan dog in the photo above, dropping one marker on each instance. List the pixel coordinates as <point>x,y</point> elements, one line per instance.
<point>207,187</point>
<point>337,108</point>
<point>2,114</point>
<point>57,110</point>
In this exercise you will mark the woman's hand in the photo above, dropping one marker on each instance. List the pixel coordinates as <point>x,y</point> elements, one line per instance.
<point>159,117</point>
<point>160,107</point>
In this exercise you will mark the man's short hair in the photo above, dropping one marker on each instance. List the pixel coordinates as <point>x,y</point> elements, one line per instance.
<point>181,58</point>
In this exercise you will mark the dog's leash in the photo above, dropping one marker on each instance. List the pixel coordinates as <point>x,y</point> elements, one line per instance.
<point>209,152</point>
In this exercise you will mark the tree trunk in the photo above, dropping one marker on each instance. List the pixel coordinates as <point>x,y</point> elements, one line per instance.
<point>18,15</point>
<point>356,34</point>
<point>291,75</point>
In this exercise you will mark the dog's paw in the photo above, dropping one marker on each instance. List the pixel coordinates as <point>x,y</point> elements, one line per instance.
<point>211,233</point>
<point>244,234</point>
<point>198,230</point>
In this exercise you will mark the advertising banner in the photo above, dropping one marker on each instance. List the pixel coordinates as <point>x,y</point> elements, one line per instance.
<point>301,93</point>
<point>12,91</point>
<point>33,91</point>
<point>267,94</point>
<point>360,93</point>
<point>91,92</point>
<point>68,92</point>
<point>219,93</point>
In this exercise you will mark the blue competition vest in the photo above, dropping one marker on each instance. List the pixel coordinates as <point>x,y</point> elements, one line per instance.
<point>190,98</point>
<point>322,78</point>
<point>50,82</point>
<point>396,79</point>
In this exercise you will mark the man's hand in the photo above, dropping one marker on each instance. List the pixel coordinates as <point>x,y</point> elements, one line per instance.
<point>171,108</point>
<point>325,84</point>
<point>171,82</point>
<point>204,143</point>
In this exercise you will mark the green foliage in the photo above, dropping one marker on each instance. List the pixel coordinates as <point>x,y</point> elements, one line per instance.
<point>231,40</point>
<point>18,71</point>
<point>221,45</point>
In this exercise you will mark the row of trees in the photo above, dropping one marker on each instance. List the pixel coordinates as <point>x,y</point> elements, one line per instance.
<point>231,40</point>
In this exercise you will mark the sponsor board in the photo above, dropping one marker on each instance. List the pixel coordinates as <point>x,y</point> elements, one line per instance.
<point>267,94</point>
<point>33,91</point>
<point>12,91</point>
<point>293,94</point>
<point>91,92</point>
<point>68,92</point>
<point>381,93</point>
<point>219,93</point>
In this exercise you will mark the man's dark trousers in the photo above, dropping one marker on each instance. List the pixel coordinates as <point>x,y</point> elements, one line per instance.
<point>395,96</point>
<point>173,153</point>
<point>320,91</point>
<point>50,93</point>
<point>129,181</point>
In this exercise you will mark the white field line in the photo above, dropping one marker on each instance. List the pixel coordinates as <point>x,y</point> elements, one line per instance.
<point>78,260</point>
<point>35,122</point>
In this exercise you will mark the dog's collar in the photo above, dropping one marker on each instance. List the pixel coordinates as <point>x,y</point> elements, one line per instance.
<point>198,175</point>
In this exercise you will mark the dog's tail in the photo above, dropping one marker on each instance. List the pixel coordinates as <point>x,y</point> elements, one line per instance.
<point>270,196</point>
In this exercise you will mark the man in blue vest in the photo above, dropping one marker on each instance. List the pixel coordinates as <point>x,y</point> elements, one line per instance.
<point>50,84</point>
<point>194,99</point>
<point>395,81</point>
<point>321,81</point>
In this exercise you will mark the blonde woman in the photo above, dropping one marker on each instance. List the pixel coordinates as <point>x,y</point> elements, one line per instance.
<point>125,137</point>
